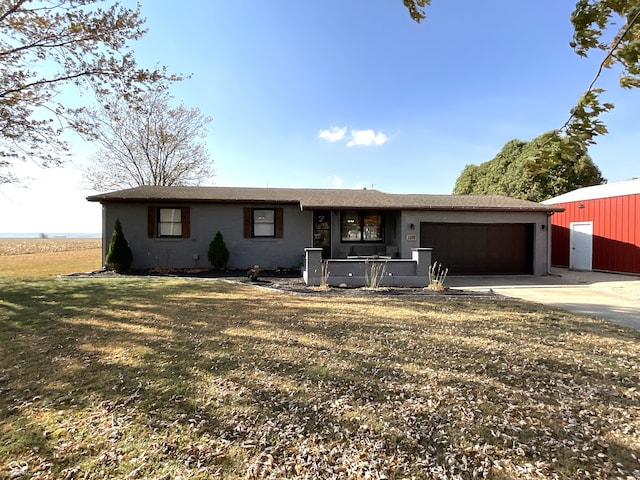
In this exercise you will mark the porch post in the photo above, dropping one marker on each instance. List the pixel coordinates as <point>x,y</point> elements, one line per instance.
<point>422,257</point>
<point>312,266</point>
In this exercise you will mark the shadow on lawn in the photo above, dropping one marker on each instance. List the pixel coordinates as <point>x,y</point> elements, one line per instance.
<point>266,371</point>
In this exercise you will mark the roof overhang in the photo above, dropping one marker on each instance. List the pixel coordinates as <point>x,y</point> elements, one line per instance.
<point>322,199</point>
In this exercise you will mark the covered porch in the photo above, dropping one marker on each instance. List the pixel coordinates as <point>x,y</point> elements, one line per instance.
<point>354,233</point>
<point>355,247</point>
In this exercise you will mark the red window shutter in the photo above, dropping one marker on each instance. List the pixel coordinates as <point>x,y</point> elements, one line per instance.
<point>151,222</point>
<point>279,222</point>
<point>247,223</point>
<point>186,222</point>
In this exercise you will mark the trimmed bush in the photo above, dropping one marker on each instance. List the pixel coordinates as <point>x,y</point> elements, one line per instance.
<point>218,253</point>
<point>119,256</point>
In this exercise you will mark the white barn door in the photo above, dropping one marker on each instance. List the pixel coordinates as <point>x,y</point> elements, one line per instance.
<point>581,244</point>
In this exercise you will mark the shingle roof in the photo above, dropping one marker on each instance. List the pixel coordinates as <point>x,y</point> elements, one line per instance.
<point>321,198</point>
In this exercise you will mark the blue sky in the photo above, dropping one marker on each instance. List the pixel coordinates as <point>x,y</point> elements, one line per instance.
<point>353,94</point>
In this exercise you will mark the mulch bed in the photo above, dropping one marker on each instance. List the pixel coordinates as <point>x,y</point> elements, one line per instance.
<point>288,280</point>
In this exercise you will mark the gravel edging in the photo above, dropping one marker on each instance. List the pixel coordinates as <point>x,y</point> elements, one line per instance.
<point>291,283</point>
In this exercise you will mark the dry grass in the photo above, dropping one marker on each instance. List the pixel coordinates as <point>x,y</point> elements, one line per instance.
<point>158,378</point>
<point>37,257</point>
<point>23,246</point>
<point>166,378</point>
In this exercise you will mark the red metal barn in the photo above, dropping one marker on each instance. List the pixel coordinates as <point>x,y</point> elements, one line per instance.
<point>599,229</point>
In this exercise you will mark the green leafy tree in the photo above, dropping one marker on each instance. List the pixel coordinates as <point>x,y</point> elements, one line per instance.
<point>519,171</point>
<point>119,256</point>
<point>218,253</point>
<point>145,142</point>
<point>49,45</point>
<point>609,26</point>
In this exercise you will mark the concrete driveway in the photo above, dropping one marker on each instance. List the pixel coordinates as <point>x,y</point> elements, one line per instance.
<point>614,297</point>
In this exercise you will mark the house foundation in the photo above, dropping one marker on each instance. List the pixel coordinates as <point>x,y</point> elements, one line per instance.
<point>367,271</point>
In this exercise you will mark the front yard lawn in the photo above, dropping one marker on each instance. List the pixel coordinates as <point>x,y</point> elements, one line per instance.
<point>168,378</point>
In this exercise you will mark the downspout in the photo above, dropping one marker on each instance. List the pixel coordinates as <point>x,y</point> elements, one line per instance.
<point>549,243</point>
<point>104,235</point>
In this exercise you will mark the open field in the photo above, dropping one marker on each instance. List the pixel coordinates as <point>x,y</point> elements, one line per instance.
<point>166,378</point>
<point>42,257</point>
<point>22,246</point>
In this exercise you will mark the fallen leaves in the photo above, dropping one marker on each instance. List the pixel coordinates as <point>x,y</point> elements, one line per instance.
<point>184,379</point>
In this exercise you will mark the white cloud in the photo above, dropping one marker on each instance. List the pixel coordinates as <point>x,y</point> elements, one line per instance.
<point>366,138</point>
<point>335,180</point>
<point>363,138</point>
<point>334,134</point>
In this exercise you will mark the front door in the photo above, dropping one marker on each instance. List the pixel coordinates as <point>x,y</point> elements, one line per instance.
<point>322,231</point>
<point>581,244</point>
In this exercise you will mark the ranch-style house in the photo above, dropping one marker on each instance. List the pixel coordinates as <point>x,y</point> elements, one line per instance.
<point>171,228</point>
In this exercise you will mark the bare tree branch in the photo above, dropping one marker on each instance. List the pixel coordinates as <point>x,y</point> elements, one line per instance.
<point>146,143</point>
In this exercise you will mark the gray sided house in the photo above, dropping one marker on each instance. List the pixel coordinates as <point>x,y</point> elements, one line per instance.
<point>171,227</point>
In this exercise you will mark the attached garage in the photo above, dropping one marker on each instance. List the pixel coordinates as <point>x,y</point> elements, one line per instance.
<point>479,234</point>
<point>480,248</point>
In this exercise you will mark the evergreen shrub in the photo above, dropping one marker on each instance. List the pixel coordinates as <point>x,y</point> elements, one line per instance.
<point>218,253</point>
<point>119,256</point>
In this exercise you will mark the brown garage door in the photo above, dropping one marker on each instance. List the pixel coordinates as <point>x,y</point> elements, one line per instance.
<point>480,248</point>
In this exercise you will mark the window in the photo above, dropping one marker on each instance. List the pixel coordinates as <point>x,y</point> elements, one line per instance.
<point>264,222</point>
<point>168,222</point>
<point>351,228</point>
<point>357,226</point>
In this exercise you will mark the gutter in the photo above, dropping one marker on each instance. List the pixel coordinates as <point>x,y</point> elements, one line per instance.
<point>549,209</point>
